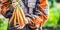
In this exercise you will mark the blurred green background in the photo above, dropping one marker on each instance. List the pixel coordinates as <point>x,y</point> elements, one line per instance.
<point>53,22</point>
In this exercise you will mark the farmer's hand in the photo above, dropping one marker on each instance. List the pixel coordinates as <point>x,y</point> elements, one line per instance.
<point>19,27</point>
<point>14,3</point>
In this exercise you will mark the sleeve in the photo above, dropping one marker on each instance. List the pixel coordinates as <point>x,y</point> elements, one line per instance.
<point>43,10</point>
<point>35,19</point>
<point>40,13</point>
<point>9,13</point>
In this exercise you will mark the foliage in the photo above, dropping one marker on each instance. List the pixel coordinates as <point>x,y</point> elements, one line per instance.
<point>52,3</point>
<point>53,18</point>
<point>3,24</point>
<point>1,21</point>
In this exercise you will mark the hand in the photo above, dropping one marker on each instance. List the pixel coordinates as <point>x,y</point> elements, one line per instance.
<point>19,27</point>
<point>14,3</point>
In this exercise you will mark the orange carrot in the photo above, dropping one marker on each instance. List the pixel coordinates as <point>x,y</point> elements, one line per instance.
<point>20,17</point>
<point>23,16</point>
<point>12,17</point>
<point>15,19</point>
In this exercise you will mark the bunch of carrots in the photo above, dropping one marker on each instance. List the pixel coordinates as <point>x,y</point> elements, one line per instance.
<point>18,15</point>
